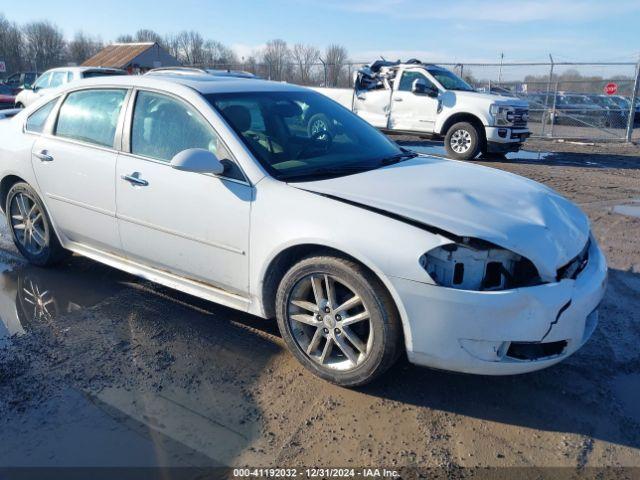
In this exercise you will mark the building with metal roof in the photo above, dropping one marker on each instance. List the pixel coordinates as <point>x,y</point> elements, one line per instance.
<point>133,57</point>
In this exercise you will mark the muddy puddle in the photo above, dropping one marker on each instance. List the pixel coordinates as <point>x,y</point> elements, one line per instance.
<point>523,156</point>
<point>104,369</point>
<point>631,209</point>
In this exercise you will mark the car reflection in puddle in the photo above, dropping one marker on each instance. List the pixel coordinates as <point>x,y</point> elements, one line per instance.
<point>30,294</point>
<point>135,374</point>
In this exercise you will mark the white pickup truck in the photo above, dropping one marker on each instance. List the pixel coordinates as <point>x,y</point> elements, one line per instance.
<point>428,100</point>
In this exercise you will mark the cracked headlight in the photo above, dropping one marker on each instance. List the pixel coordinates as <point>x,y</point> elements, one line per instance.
<point>503,115</point>
<point>477,265</point>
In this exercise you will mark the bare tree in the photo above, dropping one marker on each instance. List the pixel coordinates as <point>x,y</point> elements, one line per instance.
<point>190,48</point>
<point>218,54</point>
<point>277,56</point>
<point>305,56</point>
<point>82,47</point>
<point>335,56</point>
<point>44,45</point>
<point>146,35</point>
<point>11,45</point>
<point>125,38</point>
<point>172,45</point>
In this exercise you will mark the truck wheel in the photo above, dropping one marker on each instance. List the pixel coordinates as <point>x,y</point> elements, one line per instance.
<point>318,123</point>
<point>462,141</point>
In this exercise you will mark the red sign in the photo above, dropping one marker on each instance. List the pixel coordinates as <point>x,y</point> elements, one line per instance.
<point>611,88</point>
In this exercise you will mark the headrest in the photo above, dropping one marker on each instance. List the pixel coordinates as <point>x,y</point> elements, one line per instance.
<point>238,116</point>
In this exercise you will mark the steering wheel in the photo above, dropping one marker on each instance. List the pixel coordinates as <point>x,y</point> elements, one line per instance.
<point>320,140</point>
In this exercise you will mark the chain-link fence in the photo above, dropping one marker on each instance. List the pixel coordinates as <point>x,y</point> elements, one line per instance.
<point>572,100</point>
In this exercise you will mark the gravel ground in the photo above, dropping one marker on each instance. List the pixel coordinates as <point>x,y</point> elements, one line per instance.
<point>98,368</point>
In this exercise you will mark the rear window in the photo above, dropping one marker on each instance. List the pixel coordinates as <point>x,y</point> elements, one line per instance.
<point>102,73</point>
<point>91,116</point>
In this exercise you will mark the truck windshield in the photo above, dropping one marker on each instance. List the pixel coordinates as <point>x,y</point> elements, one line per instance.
<point>449,80</point>
<point>303,135</point>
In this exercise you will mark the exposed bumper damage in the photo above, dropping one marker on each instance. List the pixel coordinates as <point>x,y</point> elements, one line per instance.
<point>503,332</point>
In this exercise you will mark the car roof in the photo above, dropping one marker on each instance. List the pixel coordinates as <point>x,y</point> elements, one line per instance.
<point>204,84</point>
<point>83,69</point>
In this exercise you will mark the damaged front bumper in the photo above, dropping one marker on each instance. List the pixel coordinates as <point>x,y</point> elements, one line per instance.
<point>501,332</point>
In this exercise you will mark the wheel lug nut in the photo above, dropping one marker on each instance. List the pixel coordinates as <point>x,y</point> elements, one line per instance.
<point>337,331</point>
<point>325,330</point>
<point>338,318</point>
<point>327,309</point>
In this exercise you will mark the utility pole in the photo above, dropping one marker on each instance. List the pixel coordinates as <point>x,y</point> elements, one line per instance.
<point>500,71</point>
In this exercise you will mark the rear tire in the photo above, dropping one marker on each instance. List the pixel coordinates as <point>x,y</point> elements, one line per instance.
<point>31,228</point>
<point>338,320</point>
<point>19,105</point>
<point>463,141</point>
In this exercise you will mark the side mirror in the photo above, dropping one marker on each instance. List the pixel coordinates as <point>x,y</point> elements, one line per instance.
<point>197,160</point>
<point>28,86</point>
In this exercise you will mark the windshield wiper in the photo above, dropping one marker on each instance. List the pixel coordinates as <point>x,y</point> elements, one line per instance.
<point>326,172</point>
<point>405,155</point>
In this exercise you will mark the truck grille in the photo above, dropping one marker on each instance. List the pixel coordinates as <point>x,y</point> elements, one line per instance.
<point>520,117</point>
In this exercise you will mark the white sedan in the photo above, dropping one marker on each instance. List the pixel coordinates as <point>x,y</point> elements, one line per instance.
<point>360,249</point>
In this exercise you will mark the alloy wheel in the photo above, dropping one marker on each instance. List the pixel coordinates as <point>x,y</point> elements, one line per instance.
<point>28,223</point>
<point>330,322</point>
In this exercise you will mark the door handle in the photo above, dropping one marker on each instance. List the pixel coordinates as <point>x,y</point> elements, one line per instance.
<point>134,179</point>
<point>44,156</point>
<point>397,99</point>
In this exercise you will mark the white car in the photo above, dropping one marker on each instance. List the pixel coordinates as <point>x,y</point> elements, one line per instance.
<point>362,250</point>
<point>58,77</point>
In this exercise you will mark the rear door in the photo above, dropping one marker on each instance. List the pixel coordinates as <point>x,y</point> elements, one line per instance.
<point>373,106</point>
<point>75,166</point>
<point>412,111</point>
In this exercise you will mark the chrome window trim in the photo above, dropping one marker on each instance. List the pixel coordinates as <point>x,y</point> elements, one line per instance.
<point>125,146</point>
<point>114,145</point>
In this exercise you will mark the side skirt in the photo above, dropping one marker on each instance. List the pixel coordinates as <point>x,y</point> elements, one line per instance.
<point>168,279</point>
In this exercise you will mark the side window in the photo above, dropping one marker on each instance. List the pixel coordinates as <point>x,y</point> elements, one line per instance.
<point>43,81</point>
<point>408,78</point>
<point>91,116</point>
<point>57,79</point>
<point>69,77</point>
<point>163,126</point>
<point>37,120</point>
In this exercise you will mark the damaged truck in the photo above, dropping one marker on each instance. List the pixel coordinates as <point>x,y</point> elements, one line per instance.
<point>427,100</point>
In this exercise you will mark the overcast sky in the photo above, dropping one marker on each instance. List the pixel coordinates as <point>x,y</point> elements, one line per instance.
<point>431,30</point>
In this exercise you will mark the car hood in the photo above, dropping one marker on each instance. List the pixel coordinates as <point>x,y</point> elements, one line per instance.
<point>471,201</point>
<point>489,98</point>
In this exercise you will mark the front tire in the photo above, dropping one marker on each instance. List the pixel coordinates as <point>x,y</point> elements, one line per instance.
<point>338,320</point>
<point>463,141</point>
<point>31,228</point>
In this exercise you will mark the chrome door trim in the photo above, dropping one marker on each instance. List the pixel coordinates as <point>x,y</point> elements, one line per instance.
<point>158,228</point>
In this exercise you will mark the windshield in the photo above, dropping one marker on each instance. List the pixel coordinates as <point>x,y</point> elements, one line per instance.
<point>449,80</point>
<point>303,135</point>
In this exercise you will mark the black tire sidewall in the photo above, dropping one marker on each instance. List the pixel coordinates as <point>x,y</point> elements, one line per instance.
<point>384,329</point>
<point>51,251</point>
<point>475,141</point>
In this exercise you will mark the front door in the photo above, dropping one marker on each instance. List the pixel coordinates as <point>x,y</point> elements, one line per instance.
<point>190,224</point>
<point>412,111</point>
<point>75,167</point>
